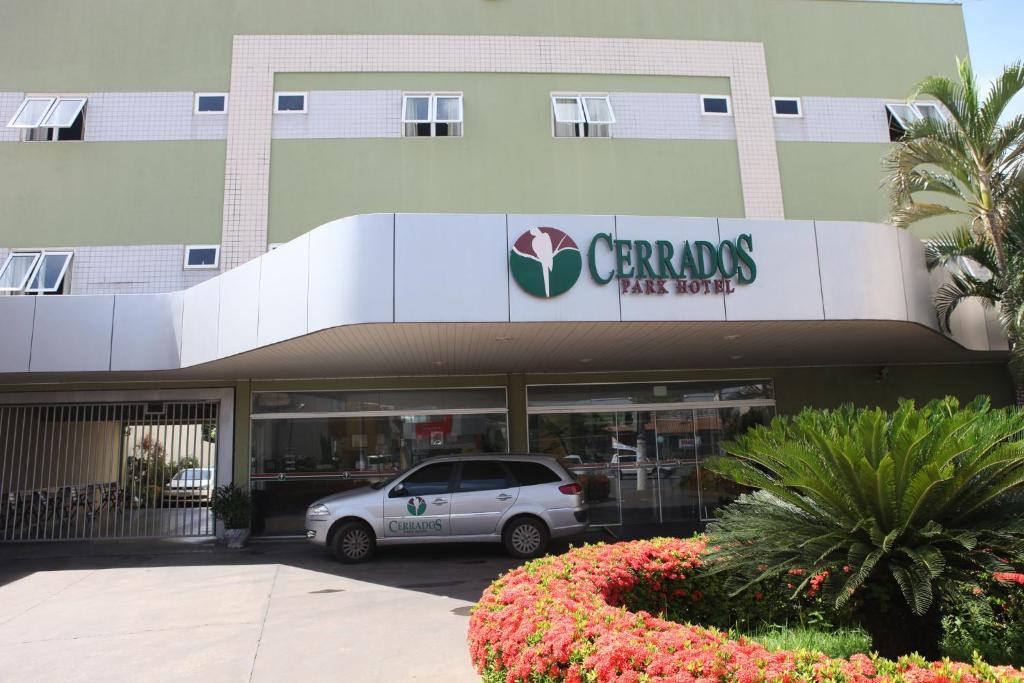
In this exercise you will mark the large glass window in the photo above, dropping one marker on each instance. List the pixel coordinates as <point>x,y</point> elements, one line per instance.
<point>646,465</point>
<point>306,445</point>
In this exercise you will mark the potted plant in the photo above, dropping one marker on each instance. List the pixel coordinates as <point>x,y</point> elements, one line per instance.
<point>233,506</point>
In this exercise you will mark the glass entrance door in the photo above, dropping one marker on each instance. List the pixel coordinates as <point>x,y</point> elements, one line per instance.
<point>644,463</point>
<point>635,456</point>
<point>677,456</point>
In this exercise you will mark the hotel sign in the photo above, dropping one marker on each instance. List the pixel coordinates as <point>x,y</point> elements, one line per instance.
<point>546,262</point>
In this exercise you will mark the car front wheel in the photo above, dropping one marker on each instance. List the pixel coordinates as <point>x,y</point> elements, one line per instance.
<point>353,542</point>
<point>526,538</point>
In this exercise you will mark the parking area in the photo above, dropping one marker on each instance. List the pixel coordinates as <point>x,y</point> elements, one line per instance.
<point>187,610</point>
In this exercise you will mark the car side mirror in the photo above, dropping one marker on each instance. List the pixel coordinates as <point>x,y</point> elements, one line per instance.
<point>398,492</point>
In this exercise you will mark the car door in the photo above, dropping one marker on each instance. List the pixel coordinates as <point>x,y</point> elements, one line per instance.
<point>421,503</point>
<point>485,491</point>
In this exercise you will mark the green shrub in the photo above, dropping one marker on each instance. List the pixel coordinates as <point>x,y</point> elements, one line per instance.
<point>233,506</point>
<point>899,509</point>
<point>987,618</point>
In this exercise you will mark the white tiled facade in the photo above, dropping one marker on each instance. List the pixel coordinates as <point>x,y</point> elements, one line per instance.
<point>133,269</point>
<point>836,119</point>
<point>344,114</point>
<point>256,59</point>
<point>128,269</point>
<point>150,116</point>
<point>9,102</point>
<point>666,116</point>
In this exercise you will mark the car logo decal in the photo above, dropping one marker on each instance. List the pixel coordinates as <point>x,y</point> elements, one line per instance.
<point>416,506</point>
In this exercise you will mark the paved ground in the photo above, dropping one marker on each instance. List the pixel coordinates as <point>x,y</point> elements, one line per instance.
<point>80,611</point>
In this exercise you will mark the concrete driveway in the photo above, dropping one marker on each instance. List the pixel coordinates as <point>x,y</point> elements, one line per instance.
<point>275,611</point>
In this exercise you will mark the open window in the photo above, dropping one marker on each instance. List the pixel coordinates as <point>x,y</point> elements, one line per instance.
<point>930,111</point>
<point>202,256</point>
<point>35,272</point>
<point>582,116</point>
<point>902,115</point>
<point>50,118</point>
<point>432,115</point>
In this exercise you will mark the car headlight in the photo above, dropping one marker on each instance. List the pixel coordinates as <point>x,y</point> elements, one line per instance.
<point>318,511</point>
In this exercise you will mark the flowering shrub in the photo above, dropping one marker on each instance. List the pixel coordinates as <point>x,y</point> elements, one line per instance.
<point>566,618</point>
<point>988,618</point>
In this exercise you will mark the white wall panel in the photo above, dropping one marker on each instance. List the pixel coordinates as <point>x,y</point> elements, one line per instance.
<point>450,267</point>
<point>200,323</point>
<point>861,271</point>
<point>72,333</point>
<point>916,281</point>
<point>344,114</point>
<point>351,272</point>
<point>787,285</point>
<point>671,306</point>
<point>147,332</point>
<point>283,293</point>
<point>9,103</point>
<point>17,314</point>
<point>586,301</point>
<point>239,309</point>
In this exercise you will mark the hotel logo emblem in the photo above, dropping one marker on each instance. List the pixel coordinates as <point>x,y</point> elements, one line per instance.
<point>545,262</point>
<point>416,506</point>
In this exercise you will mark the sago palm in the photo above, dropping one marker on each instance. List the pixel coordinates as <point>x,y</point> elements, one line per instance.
<point>969,168</point>
<point>898,508</point>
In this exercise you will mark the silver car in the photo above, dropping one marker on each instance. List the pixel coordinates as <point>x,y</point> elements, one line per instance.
<point>522,501</point>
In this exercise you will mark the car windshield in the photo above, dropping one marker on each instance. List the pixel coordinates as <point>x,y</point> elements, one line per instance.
<point>193,474</point>
<point>627,458</point>
<point>377,486</point>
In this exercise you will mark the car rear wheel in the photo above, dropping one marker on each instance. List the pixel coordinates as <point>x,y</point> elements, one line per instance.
<point>353,542</point>
<point>526,538</point>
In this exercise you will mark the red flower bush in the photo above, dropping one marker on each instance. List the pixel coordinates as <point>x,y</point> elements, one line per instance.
<point>563,619</point>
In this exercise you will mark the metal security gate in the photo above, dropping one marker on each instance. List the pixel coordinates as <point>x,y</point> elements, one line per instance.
<point>107,470</point>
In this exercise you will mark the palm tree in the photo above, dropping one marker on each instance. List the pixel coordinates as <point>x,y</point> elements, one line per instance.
<point>970,168</point>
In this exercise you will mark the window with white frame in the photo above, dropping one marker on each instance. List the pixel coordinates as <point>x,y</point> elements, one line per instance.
<point>931,111</point>
<point>787,107</point>
<point>582,116</point>
<point>35,272</point>
<point>290,103</point>
<point>432,115</point>
<point>902,115</point>
<point>50,118</point>
<point>715,105</point>
<point>200,256</point>
<point>211,103</point>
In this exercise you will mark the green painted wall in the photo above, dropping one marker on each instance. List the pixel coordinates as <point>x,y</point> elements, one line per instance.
<point>171,192</point>
<point>833,181</point>
<point>506,161</point>
<point>75,193</point>
<point>814,47</point>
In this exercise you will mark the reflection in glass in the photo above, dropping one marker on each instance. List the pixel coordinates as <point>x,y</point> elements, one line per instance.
<point>583,443</point>
<point>646,466</point>
<point>608,396</point>
<point>297,460</point>
<point>714,428</point>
